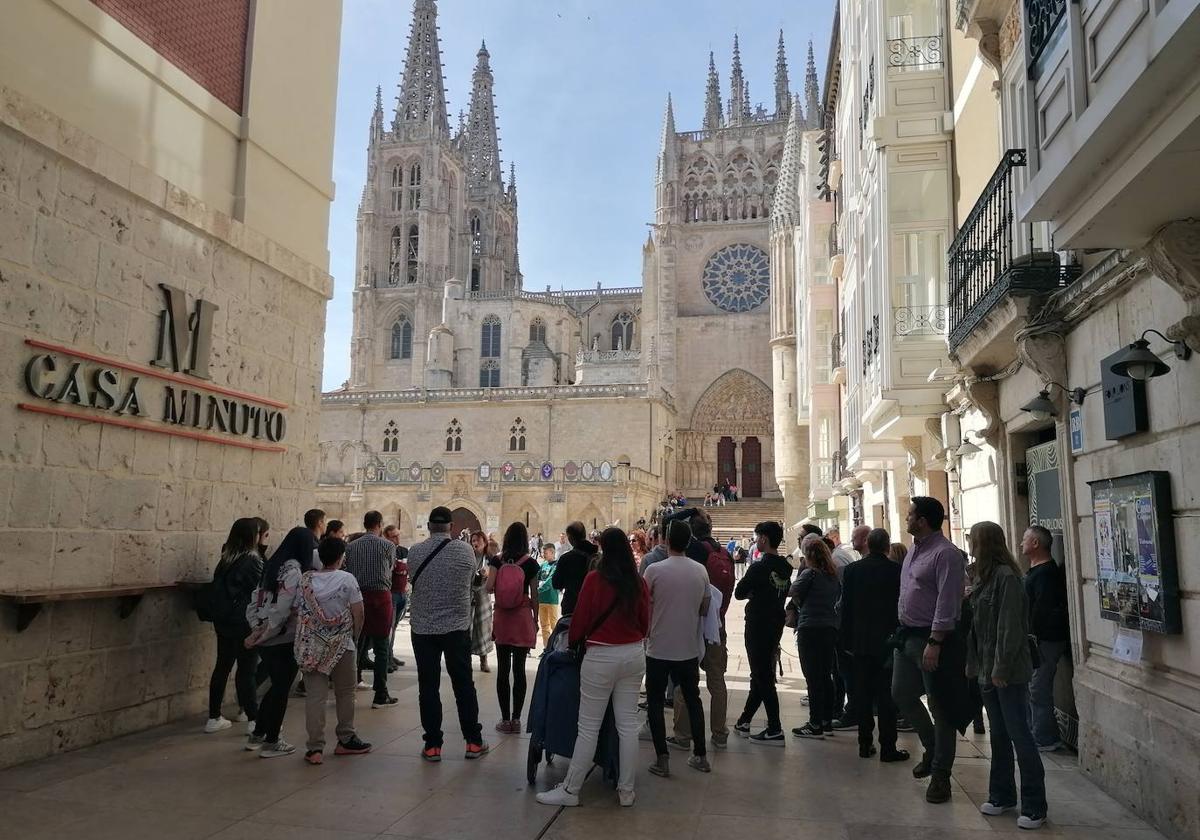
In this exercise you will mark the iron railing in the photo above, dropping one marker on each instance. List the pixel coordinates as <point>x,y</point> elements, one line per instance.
<point>1042,18</point>
<point>993,255</point>
<point>837,344</point>
<point>913,55</point>
<point>923,321</point>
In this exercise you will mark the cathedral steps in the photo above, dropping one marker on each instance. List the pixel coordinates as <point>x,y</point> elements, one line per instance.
<point>737,519</point>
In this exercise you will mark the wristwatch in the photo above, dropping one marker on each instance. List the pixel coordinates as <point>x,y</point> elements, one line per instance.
<point>933,641</point>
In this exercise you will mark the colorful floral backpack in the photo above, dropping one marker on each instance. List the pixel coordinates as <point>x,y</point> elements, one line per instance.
<point>320,639</point>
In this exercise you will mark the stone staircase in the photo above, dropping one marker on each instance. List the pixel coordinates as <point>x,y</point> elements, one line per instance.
<point>737,519</point>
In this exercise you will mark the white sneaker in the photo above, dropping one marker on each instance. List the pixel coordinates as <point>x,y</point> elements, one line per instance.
<point>627,798</point>
<point>216,724</point>
<point>241,717</point>
<point>559,795</point>
<point>991,809</point>
<point>277,749</point>
<point>362,686</point>
<point>1030,823</point>
<point>249,727</point>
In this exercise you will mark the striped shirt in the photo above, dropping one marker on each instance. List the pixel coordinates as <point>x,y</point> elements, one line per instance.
<point>370,559</point>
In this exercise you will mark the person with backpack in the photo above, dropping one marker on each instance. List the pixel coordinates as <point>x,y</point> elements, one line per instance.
<point>329,608</point>
<point>512,579</point>
<point>548,596</point>
<point>717,562</point>
<point>272,619</point>
<point>225,602</point>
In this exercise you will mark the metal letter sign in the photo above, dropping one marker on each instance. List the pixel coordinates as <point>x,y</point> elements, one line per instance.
<point>184,342</point>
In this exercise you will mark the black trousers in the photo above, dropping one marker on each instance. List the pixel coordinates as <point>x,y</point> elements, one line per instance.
<point>817,660</point>
<point>760,655</point>
<point>456,648</point>
<point>231,651</point>
<point>686,675</point>
<point>281,668</point>
<point>845,695</point>
<point>873,690</point>
<point>381,648</point>
<point>511,694</point>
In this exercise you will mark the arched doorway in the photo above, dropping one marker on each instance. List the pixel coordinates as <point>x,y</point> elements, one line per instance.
<point>462,519</point>
<point>751,487</point>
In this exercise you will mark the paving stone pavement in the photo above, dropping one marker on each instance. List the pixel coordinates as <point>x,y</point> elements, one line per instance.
<point>176,783</point>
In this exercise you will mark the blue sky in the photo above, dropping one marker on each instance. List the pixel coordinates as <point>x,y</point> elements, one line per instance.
<point>580,91</point>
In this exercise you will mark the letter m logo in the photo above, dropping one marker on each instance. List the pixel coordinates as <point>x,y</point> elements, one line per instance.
<point>184,342</point>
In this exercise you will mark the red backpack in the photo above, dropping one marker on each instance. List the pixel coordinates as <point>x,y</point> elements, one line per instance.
<point>510,586</point>
<point>720,574</point>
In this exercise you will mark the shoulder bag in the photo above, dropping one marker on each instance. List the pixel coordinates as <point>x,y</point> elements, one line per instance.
<point>412,581</point>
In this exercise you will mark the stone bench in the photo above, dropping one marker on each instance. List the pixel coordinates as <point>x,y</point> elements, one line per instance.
<point>29,602</point>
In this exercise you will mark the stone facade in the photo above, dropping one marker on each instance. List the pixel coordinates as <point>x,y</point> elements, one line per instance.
<point>86,238</point>
<point>445,330</point>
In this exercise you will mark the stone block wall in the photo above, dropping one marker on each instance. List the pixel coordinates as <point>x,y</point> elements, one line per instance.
<point>86,236</point>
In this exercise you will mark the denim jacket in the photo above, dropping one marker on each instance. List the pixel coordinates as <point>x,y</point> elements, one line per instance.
<point>998,643</point>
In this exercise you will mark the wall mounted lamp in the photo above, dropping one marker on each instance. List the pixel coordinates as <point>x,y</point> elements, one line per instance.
<point>1043,409</point>
<point>1138,361</point>
<point>967,447</point>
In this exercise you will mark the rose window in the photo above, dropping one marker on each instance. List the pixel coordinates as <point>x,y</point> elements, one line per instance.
<point>737,278</point>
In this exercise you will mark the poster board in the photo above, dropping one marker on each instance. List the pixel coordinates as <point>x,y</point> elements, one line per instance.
<point>1137,572</point>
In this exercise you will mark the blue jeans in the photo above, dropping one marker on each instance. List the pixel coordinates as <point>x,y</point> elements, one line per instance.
<point>1041,695</point>
<point>1007,710</point>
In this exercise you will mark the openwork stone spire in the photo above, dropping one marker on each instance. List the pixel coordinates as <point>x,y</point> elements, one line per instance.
<point>666,143</point>
<point>812,92</point>
<point>713,113</point>
<point>422,102</point>
<point>785,206</point>
<point>483,147</point>
<point>512,182</point>
<point>377,116</point>
<point>783,95</point>
<point>739,90</point>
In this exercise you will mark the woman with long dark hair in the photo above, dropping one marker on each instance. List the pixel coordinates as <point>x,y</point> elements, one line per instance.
<point>273,633</point>
<point>481,603</point>
<point>611,618</point>
<point>998,657</point>
<point>512,579</point>
<point>815,596</point>
<point>236,575</point>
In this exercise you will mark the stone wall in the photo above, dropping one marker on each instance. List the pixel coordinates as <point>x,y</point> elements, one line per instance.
<point>86,236</point>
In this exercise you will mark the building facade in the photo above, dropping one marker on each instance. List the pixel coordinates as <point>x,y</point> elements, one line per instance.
<point>163,220</point>
<point>469,390</point>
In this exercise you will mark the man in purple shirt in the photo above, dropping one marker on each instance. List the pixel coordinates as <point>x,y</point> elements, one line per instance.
<point>931,593</point>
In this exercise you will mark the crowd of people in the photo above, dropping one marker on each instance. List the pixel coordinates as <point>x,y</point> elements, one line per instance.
<point>877,627</point>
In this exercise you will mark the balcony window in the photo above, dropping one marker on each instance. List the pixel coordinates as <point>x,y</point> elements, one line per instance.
<point>919,282</point>
<point>914,36</point>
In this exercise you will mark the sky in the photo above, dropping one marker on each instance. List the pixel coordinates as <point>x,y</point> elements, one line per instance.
<point>581,87</point>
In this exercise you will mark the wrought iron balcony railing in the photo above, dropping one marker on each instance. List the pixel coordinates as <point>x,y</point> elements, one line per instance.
<point>913,55</point>
<point>837,346</point>
<point>920,321</point>
<point>992,255</point>
<point>1042,18</point>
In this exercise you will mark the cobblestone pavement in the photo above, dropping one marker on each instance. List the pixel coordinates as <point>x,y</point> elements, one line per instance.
<point>176,783</point>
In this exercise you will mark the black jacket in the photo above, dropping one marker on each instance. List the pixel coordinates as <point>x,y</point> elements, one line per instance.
<point>232,588</point>
<point>1046,588</point>
<point>870,594</point>
<point>572,568</point>
<point>765,584</point>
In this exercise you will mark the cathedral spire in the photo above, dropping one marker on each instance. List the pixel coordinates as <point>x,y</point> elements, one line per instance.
<point>666,144</point>
<point>483,147</point>
<point>785,206</point>
<point>812,92</point>
<point>512,182</point>
<point>713,114</point>
<point>739,91</point>
<point>377,116</point>
<point>783,96</point>
<point>422,102</point>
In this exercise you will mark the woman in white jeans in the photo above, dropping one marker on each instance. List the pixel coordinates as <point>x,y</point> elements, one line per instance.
<point>612,616</point>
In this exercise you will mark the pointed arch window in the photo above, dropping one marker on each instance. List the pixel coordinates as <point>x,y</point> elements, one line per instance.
<point>537,331</point>
<point>396,257</point>
<point>622,331</point>
<point>489,343</point>
<point>391,437</point>
<point>454,435</point>
<point>489,374</point>
<point>516,436</point>
<point>414,248</point>
<point>397,188</point>
<point>414,187</point>
<point>402,334</point>
<point>476,252</point>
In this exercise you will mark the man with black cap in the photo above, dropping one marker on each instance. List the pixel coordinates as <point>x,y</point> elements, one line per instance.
<point>441,570</point>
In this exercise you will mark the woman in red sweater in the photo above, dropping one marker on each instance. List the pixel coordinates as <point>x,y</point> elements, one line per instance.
<point>612,616</point>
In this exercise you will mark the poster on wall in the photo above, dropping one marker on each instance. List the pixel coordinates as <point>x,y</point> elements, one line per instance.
<point>1137,573</point>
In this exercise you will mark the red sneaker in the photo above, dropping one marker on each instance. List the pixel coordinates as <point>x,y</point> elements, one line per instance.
<point>432,753</point>
<point>314,757</point>
<point>477,750</point>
